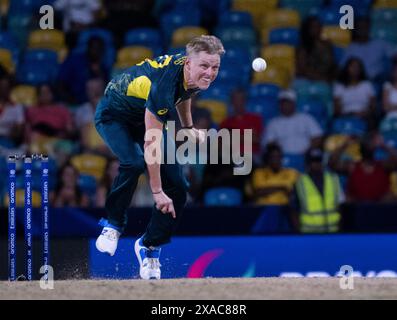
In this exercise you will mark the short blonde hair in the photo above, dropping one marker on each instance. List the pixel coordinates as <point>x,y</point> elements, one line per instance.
<point>208,44</point>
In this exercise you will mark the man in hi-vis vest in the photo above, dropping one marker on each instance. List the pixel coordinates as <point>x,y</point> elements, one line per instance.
<point>316,199</point>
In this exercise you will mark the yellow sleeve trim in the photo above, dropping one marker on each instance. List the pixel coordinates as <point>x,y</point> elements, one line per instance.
<point>139,87</point>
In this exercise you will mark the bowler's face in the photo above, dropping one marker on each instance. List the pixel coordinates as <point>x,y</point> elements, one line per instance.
<point>203,69</point>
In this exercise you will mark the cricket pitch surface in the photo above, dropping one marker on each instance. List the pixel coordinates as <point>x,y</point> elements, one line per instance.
<point>204,289</point>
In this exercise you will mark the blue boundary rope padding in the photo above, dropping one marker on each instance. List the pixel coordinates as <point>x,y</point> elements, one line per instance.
<point>45,215</point>
<point>27,163</point>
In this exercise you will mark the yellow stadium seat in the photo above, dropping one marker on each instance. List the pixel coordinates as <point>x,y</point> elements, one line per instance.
<point>257,8</point>
<point>273,74</point>
<point>47,39</point>
<point>20,198</point>
<point>6,60</point>
<point>183,35</point>
<point>339,37</point>
<point>128,56</point>
<point>25,95</point>
<point>218,109</point>
<point>4,5</point>
<point>90,164</point>
<point>280,18</point>
<point>385,4</point>
<point>280,55</point>
<point>336,140</point>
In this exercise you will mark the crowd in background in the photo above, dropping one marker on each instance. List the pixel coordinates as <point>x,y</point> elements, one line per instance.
<point>340,100</point>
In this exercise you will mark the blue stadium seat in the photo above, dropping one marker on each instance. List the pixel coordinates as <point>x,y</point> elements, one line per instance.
<point>87,184</point>
<point>288,36</point>
<point>19,27</point>
<point>295,161</point>
<point>264,91</point>
<point>384,32</point>
<point>223,197</point>
<point>305,8</point>
<point>266,107</point>
<point>40,56</point>
<point>338,54</point>
<point>217,91</point>
<point>235,19</point>
<point>315,108</point>
<point>330,15</point>
<point>240,59</point>
<point>236,76</point>
<point>349,126</point>
<point>237,36</point>
<point>175,19</point>
<point>384,17</point>
<point>106,36</point>
<point>313,90</point>
<point>25,6</point>
<point>148,37</point>
<point>388,127</point>
<point>36,74</point>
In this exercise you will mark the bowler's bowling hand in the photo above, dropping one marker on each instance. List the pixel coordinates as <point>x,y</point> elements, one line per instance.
<point>164,203</point>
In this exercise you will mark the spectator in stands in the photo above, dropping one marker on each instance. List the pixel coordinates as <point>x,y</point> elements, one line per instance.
<point>368,179</point>
<point>48,118</point>
<point>389,97</point>
<point>314,56</point>
<point>78,68</point>
<point>316,198</point>
<point>111,172</point>
<point>374,53</point>
<point>11,116</point>
<point>242,120</point>
<point>67,192</point>
<point>272,184</point>
<point>84,118</point>
<point>295,132</point>
<point>354,95</point>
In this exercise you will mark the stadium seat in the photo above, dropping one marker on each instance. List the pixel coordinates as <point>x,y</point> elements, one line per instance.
<point>317,109</point>
<point>35,74</point>
<point>388,126</point>
<point>257,8</point>
<point>128,56</point>
<point>46,39</point>
<point>175,19</point>
<point>313,91</point>
<point>223,197</point>
<point>385,4</point>
<point>384,17</point>
<point>19,26</point>
<point>385,33</point>
<point>217,108</point>
<point>304,8</point>
<point>295,161</point>
<point>90,164</point>
<point>217,91</point>
<point>87,184</point>
<point>240,60</point>
<point>267,107</point>
<point>280,55</point>
<point>34,56</point>
<point>337,36</point>
<point>263,91</point>
<point>235,19</point>
<point>330,15</point>
<point>276,75</point>
<point>281,18</point>
<point>335,141</point>
<point>237,36</point>
<point>6,60</point>
<point>338,54</point>
<point>24,6</point>
<point>4,6</point>
<point>288,36</point>
<point>24,94</point>
<point>143,36</point>
<point>183,35</point>
<point>349,126</point>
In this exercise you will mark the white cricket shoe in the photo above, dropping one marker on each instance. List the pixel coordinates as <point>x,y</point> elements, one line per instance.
<point>149,263</point>
<point>108,240</point>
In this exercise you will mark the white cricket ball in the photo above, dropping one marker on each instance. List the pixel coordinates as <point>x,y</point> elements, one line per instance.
<point>259,64</point>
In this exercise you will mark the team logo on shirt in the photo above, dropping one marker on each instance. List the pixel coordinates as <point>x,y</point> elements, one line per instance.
<point>162,112</point>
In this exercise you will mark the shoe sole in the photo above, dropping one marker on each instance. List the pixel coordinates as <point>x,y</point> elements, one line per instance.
<point>103,250</point>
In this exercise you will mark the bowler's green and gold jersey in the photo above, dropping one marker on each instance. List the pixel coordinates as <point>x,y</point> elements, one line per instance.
<point>156,84</point>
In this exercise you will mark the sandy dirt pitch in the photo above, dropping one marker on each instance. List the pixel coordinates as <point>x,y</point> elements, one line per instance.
<point>205,289</point>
